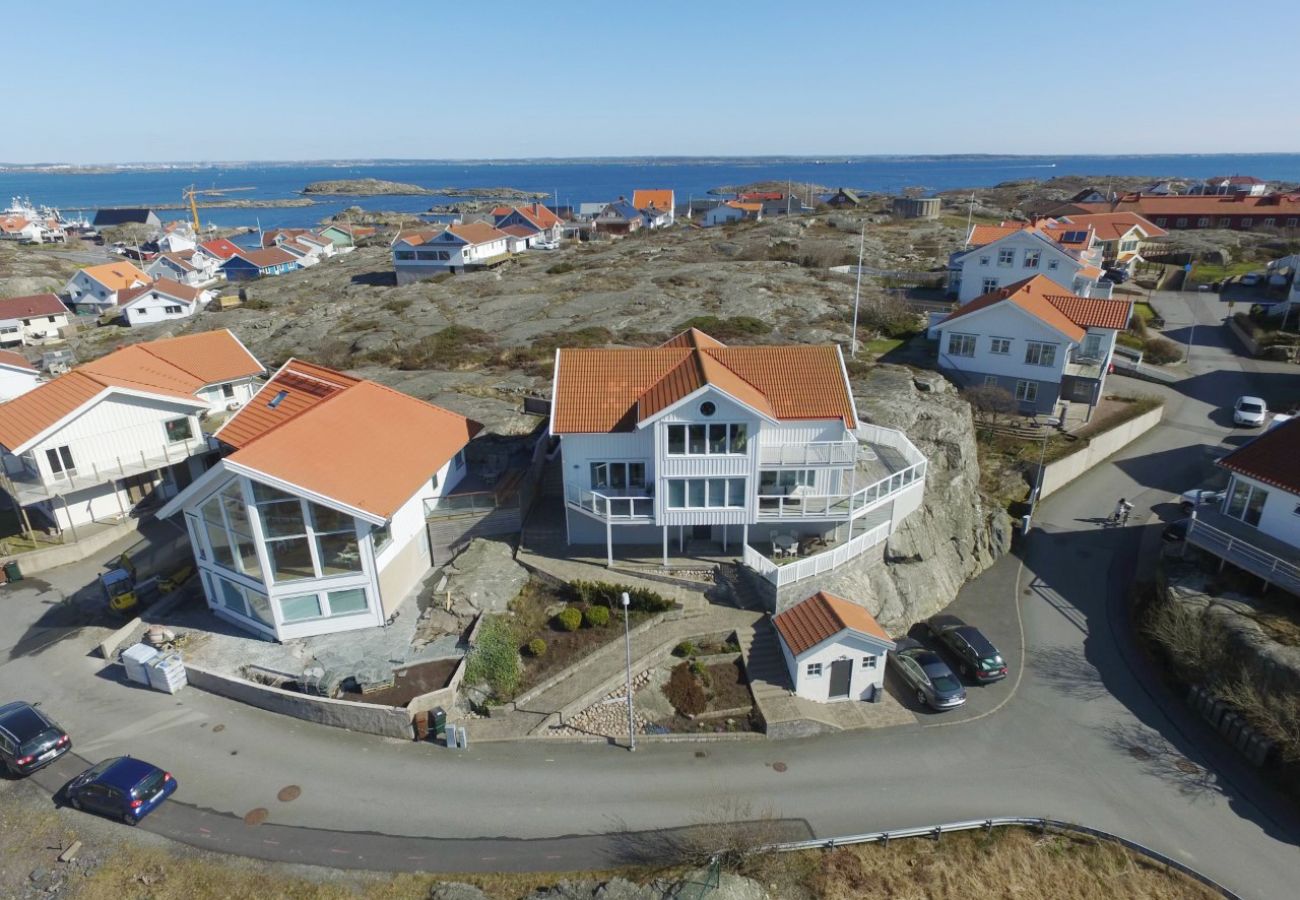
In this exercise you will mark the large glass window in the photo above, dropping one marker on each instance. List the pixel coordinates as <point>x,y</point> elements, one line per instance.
<point>290,559</point>
<point>178,429</point>
<point>772,482</point>
<point>304,606</point>
<point>347,602</point>
<point>715,438</point>
<point>617,476</point>
<point>1040,354</point>
<point>336,540</point>
<point>243,601</point>
<point>1246,502</point>
<point>706,493</point>
<point>961,345</point>
<point>218,539</point>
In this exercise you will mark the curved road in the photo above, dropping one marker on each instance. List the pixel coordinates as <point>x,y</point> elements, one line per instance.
<point>1088,735</point>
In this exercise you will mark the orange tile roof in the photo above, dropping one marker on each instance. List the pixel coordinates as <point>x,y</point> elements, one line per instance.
<point>271,256</point>
<point>1031,295</point>
<point>221,248</point>
<point>539,215</point>
<point>303,384</point>
<point>1271,457</point>
<point>32,305</point>
<point>356,442</point>
<point>416,238</point>
<point>17,360</point>
<point>476,232</point>
<point>1090,272</point>
<point>175,368</point>
<point>181,260</point>
<point>1113,226</point>
<point>116,276</point>
<point>660,200</point>
<point>608,390</point>
<point>821,616</point>
<point>13,223</point>
<point>987,234</point>
<point>1195,205</point>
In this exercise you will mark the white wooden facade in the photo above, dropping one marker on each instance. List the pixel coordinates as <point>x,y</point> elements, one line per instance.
<point>863,655</point>
<point>1023,254</point>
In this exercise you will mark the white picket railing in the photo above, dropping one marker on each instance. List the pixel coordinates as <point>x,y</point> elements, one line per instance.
<point>839,506</point>
<point>609,507</point>
<point>814,453</point>
<point>818,563</point>
<point>1243,554</point>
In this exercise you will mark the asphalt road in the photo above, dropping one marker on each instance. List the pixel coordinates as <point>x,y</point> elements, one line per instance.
<point>1080,731</point>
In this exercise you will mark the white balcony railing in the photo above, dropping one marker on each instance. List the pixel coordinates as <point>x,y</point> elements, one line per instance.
<point>781,575</point>
<point>817,453</point>
<point>844,506</point>
<point>1244,554</point>
<point>638,508</point>
<point>30,488</point>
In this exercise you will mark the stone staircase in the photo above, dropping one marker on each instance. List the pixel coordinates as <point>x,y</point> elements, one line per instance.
<point>764,663</point>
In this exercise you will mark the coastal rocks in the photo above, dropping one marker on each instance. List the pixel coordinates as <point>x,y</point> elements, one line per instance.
<point>456,890</point>
<point>363,187</point>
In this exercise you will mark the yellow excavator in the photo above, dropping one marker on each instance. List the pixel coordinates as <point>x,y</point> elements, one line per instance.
<point>190,193</point>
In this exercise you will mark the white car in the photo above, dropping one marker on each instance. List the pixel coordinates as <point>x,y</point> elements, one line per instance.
<point>1249,411</point>
<point>1189,500</point>
<point>1250,279</point>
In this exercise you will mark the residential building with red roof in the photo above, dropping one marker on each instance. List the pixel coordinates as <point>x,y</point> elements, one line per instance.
<point>1256,527</point>
<point>657,207</point>
<point>532,224</point>
<point>314,522</point>
<point>1238,212</point>
<point>91,444</point>
<point>696,447</point>
<point>94,289</point>
<point>426,253</point>
<point>162,301</point>
<point>833,648</point>
<point>220,249</point>
<point>249,264</point>
<point>33,319</point>
<point>999,255</point>
<point>1047,348</point>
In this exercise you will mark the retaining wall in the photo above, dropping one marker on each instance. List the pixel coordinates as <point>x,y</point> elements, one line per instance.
<point>1058,474</point>
<point>1251,345</point>
<point>43,560</point>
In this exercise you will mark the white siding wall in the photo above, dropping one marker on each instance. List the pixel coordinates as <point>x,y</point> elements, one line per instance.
<point>39,328</point>
<point>14,382</point>
<point>973,274</point>
<point>1004,321</point>
<point>216,399</point>
<point>152,307</point>
<point>1278,518</point>
<point>846,645</point>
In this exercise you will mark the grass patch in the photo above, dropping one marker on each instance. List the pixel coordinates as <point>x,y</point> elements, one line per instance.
<point>1208,273</point>
<point>454,347</point>
<point>881,346</point>
<point>1143,311</point>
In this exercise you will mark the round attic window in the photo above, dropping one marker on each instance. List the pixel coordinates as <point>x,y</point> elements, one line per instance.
<point>707,408</point>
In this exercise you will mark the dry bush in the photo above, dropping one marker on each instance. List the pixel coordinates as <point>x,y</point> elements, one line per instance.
<point>1191,647</point>
<point>990,402</point>
<point>1273,714</point>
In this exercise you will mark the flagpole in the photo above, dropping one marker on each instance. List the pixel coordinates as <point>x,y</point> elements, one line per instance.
<point>857,293</point>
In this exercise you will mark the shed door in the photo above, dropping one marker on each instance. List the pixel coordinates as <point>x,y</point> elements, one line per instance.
<point>841,675</point>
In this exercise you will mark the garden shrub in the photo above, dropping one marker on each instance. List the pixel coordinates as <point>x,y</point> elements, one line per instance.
<point>727,328</point>
<point>685,648</point>
<point>596,616</point>
<point>494,658</point>
<point>537,647</point>
<point>1161,351</point>
<point>685,692</point>
<point>569,619</point>
<point>602,593</point>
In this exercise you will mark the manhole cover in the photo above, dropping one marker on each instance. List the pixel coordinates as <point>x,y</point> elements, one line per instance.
<point>256,816</point>
<point>1139,752</point>
<point>1186,765</point>
<point>292,792</point>
<point>216,728</point>
<point>700,754</point>
<point>778,767</point>
<point>1027,591</point>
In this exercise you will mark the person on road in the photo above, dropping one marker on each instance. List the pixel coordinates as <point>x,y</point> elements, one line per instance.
<point>1122,509</point>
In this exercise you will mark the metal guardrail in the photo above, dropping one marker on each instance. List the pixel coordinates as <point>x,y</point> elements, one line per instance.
<point>610,507</point>
<point>779,507</point>
<point>815,453</point>
<point>1043,824</point>
<point>1244,554</point>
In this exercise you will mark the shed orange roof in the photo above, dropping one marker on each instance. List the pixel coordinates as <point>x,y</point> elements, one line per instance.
<point>598,391</point>
<point>660,200</point>
<point>356,442</point>
<point>476,232</point>
<point>821,616</point>
<point>1113,226</point>
<point>116,276</point>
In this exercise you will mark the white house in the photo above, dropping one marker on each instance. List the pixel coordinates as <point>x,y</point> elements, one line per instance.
<point>94,289</point>
<point>456,248</point>
<point>90,445</point>
<point>1041,344</point>
<point>732,211</point>
<point>697,448</point>
<point>190,267</point>
<point>20,228</point>
<point>176,240</point>
<point>1257,527</point>
<point>545,226</point>
<point>161,301</point>
<point>307,254</point>
<point>31,320</point>
<point>833,648</point>
<point>324,246</point>
<point>315,523</point>
<point>657,208</point>
<point>17,375</point>
<point>999,255</point>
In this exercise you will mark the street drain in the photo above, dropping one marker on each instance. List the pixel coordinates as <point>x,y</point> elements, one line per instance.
<point>256,816</point>
<point>1186,765</point>
<point>292,792</point>
<point>778,767</point>
<point>1027,591</point>
<point>701,754</point>
<point>1139,752</point>
<point>216,728</point>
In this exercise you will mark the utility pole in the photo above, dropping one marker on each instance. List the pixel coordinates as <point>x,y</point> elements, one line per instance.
<point>970,215</point>
<point>857,294</point>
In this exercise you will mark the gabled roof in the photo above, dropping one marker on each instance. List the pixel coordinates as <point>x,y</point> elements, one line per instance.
<point>275,235</point>
<point>221,248</point>
<point>264,259</point>
<point>599,391</point>
<point>32,305</point>
<point>519,231</point>
<point>661,200</point>
<point>822,616</point>
<point>317,239</point>
<point>175,368</point>
<point>14,224</point>
<point>1113,226</point>
<point>1273,457</point>
<point>355,442</point>
<point>111,217</point>
<point>116,276</point>
<point>1031,295</point>
<point>179,261</point>
<point>15,361</point>
<point>621,209</point>
<point>746,207</point>
<point>535,213</point>
<point>354,231</point>
<point>166,287</point>
<point>476,232</point>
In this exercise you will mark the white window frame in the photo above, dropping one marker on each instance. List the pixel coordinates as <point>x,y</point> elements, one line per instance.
<point>988,286</point>
<point>1031,259</point>
<point>710,485</point>
<point>1053,265</point>
<point>869,662</point>
<point>984,260</point>
<point>1027,391</point>
<point>1000,346</point>
<point>735,431</point>
<point>961,345</point>
<point>1040,353</point>
<point>1006,257</point>
<point>813,670</point>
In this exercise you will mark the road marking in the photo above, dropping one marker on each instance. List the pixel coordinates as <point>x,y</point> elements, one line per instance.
<point>415,857</point>
<point>337,850</point>
<point>203,830</point>
<point>269,841</point>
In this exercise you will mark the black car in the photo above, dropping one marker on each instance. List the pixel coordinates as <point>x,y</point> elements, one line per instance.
<point>29,739</point>
<point>925,672</point>
<point>977,658</point>
<point>1115,276</point>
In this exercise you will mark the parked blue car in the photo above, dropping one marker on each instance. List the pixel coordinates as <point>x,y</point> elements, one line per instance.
<point>122,787</point>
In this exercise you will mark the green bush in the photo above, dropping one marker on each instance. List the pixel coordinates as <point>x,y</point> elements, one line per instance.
<point>729,328</point>
<point>596,616</point>
<point>1130,340</point>
<point>537,647</point>
<point>603,593</point>
<point>454,347</point>
<point>685,692</point>
<point>685,648</point>
<point>494,658</point>
<point>561,268</point>
<point>569,619</point>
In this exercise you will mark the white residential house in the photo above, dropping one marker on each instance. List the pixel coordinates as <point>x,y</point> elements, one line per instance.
<point>17,375</point>
<point>457,248</point>
<point>657,207</point>
<point>191,267</point>
<point>90,445</point>
<point>176,241</point>
<point>291,541</point>
<point>20,228</point>
<point>324,246</point>
<point>1257,527</point>
<point>732,211</point>
<point>307,254</point>
<point>534,222</point>
<point>1006,254</point>
<point>833,648</point>
<point>697,448</point>
<point>1041,344</point>
<point>94,289</point>
<point>34,319</point>
<point>161,301</point>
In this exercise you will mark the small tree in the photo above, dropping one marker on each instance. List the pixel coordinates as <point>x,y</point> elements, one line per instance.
<point>569,619</point>
<point>990,402</point>
<point>596,616</point>
<point>537,647</point>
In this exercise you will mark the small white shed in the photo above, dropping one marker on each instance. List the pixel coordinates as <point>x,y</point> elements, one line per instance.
<point>833,648</point>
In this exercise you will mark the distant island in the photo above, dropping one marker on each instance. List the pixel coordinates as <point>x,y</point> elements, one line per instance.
<point>363,187</point>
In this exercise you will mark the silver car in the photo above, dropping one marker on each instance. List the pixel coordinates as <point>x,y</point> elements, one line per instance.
<point>1190,500</point>
<point>925,672</point>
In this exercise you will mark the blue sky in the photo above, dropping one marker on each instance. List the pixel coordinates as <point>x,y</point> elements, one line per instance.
<point>240,80</point>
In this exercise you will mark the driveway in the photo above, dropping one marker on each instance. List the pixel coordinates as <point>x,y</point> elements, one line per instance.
<point>1086,736</point>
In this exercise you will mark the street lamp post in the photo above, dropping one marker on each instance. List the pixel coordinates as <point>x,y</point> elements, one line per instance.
<point>627,637</point>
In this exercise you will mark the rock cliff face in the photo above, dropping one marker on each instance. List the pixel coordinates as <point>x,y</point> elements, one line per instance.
<point>953,536</point>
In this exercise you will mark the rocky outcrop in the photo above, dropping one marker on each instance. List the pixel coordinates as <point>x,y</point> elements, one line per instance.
<point>954,535</point>
<point>363,187</point>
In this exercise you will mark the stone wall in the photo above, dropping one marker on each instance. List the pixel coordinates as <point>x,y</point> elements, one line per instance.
<point>1100,447</point>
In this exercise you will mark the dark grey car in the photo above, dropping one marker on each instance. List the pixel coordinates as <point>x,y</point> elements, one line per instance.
<point>925,672</point>
<point>29,739</point>
<point>977,658</point>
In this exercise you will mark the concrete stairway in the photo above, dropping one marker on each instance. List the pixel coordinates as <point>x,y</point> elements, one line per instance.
<point>764,664</point>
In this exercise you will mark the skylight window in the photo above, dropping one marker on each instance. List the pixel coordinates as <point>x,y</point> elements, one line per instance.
<point>277,399</point>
